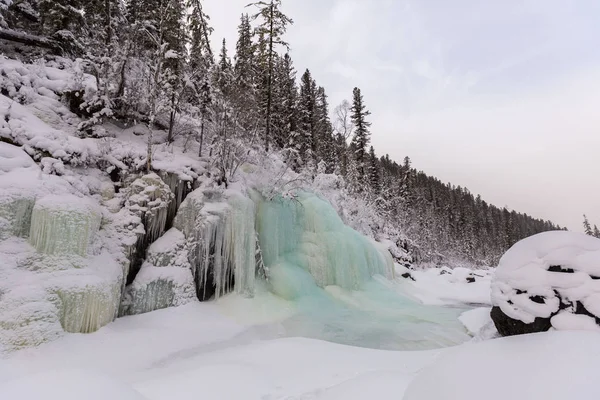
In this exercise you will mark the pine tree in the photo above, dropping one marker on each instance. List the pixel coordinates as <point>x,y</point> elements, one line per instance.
<point>272,28</point>
<point>306,139</point>
<point>362,135</point>
<point>374,171</point>
<point>224,72</point>
<point>104,22</point>
<point>596,232</point>
<point>201,55</point>
<point>326,147</point>
<point>289,98</point>
<point>587,228</point>
<point>244,94</point>
<point>63,20</point>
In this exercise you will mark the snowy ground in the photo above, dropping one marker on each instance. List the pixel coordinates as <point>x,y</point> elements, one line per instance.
<point>230,349</point>
<point>233,349</point>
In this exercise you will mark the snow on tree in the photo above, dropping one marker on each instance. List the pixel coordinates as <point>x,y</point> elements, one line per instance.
<point>362,134</point>
<point>271,29</point>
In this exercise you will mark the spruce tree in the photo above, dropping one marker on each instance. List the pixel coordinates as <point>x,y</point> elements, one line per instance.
<point>289,98</point>
<point>587,228</point>
<point>596,232</point>
<point>362,135</point>
<point>244,93</point>
<point>224,72</point>
<point>201,55</point>
<point>306,140</point>
<point>326,145</point>
<point>272,28</point>
<point>374,171</point>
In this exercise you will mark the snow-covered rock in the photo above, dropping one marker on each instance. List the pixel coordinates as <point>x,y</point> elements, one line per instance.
<point>548,280</point>
<point>544,366</point>
<point>165,279</point>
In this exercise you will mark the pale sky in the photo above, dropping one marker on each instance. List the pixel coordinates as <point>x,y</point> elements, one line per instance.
<point>502,97</point>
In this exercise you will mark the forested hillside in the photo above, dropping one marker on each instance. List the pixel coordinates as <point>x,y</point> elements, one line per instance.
<point>153,63</point>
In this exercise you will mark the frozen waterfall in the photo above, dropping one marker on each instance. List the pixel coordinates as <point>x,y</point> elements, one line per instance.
<point>305,243</point>
<point>334,283</point>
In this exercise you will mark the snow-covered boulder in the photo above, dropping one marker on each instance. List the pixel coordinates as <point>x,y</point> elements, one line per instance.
<point>165,279</point>
<point>64,224</point>
<point>543,366</point>
<point>548,280</point>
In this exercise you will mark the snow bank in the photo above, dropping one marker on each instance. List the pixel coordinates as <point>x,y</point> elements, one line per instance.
<point>549,275</point>
<point>544,366</point>
<point>476,319</point>
<point>442,286</point>
<point>68,385</point>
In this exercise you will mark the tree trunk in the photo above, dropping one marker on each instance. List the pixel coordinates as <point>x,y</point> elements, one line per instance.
<point>201,136</point>
<point>30,40</point>
<point>171,119</point>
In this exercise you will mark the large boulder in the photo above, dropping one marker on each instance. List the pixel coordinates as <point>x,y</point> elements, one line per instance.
<point>550,280</point>
<point>165,279</point>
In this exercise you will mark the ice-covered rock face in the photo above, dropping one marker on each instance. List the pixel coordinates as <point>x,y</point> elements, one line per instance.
<point>165,279</point>
<point>64,224</point>
<point>219,228</point>
<point>548,280</point>
<point>17,197</point>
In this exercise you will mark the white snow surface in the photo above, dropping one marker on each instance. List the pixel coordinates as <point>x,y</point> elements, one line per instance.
<point>544,366</point>
<point>170,354</point>
<point>523,273</point>
<point>476,319</point>
<point>448,286</point>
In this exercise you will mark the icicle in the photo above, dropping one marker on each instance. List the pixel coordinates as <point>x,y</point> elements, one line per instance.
<point>16,211</point>
<point>86,309</point>
<point>220,230</point>
<point>63,225</point>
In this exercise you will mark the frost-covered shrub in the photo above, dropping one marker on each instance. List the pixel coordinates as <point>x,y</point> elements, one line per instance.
<point>548,280</point>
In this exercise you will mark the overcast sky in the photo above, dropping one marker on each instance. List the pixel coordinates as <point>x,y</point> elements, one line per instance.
<point>502,97</point>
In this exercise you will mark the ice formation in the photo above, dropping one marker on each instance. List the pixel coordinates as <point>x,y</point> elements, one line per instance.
<point>89,303</point>
<point>304,242</point>
<point>64,224</point>
<point>549,275</point>
<point>19,186</point>
<point>165,279</point>
<point>220,230</point>
<point>148,198</point>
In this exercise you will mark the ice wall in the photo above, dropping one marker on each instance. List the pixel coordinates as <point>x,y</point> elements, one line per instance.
<point>219,227</point>
<point>64,224</point>
<point>305,243</point>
